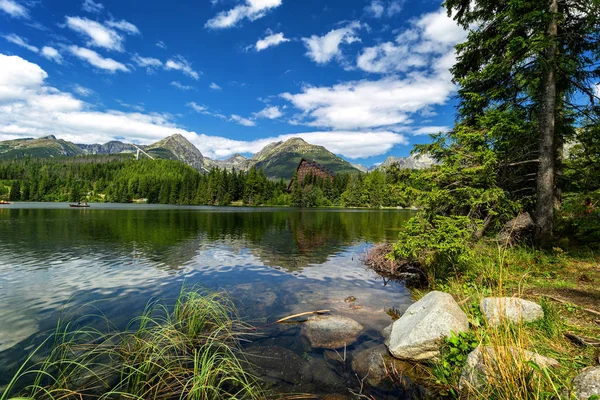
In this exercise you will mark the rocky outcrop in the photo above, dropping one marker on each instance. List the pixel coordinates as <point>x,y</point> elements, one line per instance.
<point>416,336</point>
<point>485,362</point>
<point>587,384</point>
<point>331,332</point>
<point>513,309</point>
<point>517,229</point>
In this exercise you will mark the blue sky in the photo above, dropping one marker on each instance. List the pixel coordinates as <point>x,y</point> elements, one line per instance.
<point>365,78</point>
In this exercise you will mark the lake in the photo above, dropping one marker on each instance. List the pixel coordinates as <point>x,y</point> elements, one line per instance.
<point>114,259</point>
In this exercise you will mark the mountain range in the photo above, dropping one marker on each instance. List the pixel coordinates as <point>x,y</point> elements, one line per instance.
<point>278,159</point>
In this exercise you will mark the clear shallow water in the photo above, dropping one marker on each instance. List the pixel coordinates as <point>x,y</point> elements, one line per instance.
<point>274,262</point>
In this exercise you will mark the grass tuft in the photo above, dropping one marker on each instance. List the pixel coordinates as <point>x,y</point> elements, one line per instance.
<point>192,352</point>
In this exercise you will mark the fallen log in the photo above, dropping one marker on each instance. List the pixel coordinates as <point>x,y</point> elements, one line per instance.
<point>566,302</point>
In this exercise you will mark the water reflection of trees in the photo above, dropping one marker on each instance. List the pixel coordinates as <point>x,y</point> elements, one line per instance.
<point>290,239</point>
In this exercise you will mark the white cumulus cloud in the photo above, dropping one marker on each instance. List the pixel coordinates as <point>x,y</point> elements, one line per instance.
<point>31,108</point>
<point>95,59</point>
<point>91,6</point>
<point>428,42</point>
<point>14,9</point>
<point>242,121</point>
<point>251,9</point>
<point>179,63</point>
<point>181,86</point>
<point>272,112</point>
<point>98,34</point>
<point>370,104</point>
<point>322,49</point>
<point>19,41</point>
<point>146,62</point>
<point>430,130</point>
<point>384,8</point>
<point>214,86</point>
<point>271,40</point>
<point>51,54</point>
<point>124,26</point>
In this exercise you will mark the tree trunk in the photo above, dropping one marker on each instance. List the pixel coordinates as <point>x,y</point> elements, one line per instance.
<point>547,127</point>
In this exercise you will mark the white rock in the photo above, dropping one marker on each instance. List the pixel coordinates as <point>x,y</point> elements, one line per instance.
<point>416,336</point>
<point>483,361</point>
<point>587,384</point>
<point>513,309</point>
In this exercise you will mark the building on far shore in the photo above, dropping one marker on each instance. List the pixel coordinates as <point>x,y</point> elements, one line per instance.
<point>306,168</point>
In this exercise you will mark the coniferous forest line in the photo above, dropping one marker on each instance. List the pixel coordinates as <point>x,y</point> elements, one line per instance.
<point>121,179</point>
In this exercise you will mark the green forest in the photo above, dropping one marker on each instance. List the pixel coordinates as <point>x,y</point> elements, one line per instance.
<point>121,179</point>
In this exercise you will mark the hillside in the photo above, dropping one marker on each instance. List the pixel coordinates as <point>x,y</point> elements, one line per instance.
<point>177,147</point>
<point>44,147</point>
<point>280,160</point>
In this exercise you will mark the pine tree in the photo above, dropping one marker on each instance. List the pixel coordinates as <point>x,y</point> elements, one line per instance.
<point>15,191</point>
<point>537,59</point>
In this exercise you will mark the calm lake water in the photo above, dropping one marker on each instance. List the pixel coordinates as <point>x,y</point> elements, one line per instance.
<point>274,262</point>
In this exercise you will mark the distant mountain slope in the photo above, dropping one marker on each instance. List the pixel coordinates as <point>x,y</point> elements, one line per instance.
<point>177,147</point>
<point>44,147</point>
<point>114,147</point>
<point>280,160</point>
<point>236,162</point>
<point>411,162</point>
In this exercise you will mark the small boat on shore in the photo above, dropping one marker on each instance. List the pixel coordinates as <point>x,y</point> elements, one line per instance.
<point>4,202</point>
<point>79,206</point>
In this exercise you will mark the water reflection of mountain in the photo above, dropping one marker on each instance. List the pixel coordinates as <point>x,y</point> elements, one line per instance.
<point>288,239</point>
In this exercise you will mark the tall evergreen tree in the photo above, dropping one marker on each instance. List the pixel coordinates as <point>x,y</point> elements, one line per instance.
<point>538,58</point>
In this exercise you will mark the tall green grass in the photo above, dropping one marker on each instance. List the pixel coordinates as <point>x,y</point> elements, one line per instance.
<point>191,352</point>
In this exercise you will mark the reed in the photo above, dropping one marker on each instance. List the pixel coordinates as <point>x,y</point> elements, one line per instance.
<point>190,352</point>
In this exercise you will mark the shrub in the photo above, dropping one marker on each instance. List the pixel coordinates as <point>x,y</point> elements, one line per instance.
<point>443,245</point>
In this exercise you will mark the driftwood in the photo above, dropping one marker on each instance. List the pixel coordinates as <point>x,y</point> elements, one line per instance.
<point>566,302</point>
<point>320,312</point>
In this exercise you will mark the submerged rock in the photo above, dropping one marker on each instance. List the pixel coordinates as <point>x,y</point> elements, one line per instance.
<point>376,364</point>
<point>513,309</point>
<point>331,332</point>
<point>417,334</point>
<point>483,361</point>
<point>278,365</point>
<point>587,384</point>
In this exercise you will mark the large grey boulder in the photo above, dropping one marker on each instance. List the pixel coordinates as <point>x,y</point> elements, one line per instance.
<point>483,363</point>
<point>513,309</point>
<point>416,336</point>
<point>587,383</point>
<point>517,229</point>
<point>331,332</point>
